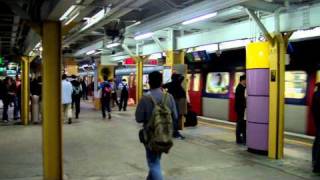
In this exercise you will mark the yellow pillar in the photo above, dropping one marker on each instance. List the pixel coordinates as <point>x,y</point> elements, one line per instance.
<point>25,89</point>
<point>139,78</point>
<point>276,107</point>
<point>174,60</point>
<point>51,92</point>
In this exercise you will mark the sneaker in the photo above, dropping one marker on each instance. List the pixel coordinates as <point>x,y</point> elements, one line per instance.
<point>5,121</point>
<point>69,121</point>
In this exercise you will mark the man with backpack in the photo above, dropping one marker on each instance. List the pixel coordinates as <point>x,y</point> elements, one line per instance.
<point>124,95</point>
<point>105,97</point>
<point>76,95</point>
<point>156,110</point>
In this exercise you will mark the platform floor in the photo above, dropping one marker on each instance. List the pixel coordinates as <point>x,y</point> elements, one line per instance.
<point>96,149</point>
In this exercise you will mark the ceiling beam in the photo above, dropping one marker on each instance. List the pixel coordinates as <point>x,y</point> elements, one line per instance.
<point>115,13</point>
<point>187,13</point>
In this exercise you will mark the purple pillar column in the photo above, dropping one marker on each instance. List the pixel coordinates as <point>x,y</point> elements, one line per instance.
<point>257,110</point>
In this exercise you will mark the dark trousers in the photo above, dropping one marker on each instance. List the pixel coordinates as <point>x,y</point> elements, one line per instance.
<point>76,104</point>
<point>114,99</point>
<point>84,94</point>
<point>16,107</point>
<point>5,109</point>
<point>316,151</point>
<point>241,128</point>
<point>123,103</point>
<point>105,106</point>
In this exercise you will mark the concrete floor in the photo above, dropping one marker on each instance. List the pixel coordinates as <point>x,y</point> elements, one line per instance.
<point>96,149</point>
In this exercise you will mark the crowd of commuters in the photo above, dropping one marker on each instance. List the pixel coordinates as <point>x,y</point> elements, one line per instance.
<point>10,94</point>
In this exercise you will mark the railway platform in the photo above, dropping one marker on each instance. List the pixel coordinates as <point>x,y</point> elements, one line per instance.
<point>97,149</point>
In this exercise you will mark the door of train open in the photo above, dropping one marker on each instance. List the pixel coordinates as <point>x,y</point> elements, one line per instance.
<point>194,91</point>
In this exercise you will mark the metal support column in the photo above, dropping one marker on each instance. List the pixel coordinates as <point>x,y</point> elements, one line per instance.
<point>51,92</point>
<point>25,90</point>
<point>139,78</point>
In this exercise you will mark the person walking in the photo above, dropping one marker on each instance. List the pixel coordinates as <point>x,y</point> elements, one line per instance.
<point>105,98</point>
<point>179,94</point>
<point>114,97</point>
<point>316,116</point>
<point>124,95</point>
<point>240,106</point>
<point>66,98</point>
<point>76,95</point>
<point>148,113</point>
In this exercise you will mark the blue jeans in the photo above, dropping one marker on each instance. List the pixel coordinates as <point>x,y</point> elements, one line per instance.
<point>153,160</point>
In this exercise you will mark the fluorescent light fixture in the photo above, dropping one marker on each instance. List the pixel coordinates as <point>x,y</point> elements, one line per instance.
<point>143,36</point>
<point>37,45</point>
<point>200,18</point>
<point>94,19</point>
<point>234,44</point>
<point>66,14</point>
<point>71,19</point>
<point>301,34</point>
<point>155,56</point>
<point>99,52</point>
<point>113,45</point>
<point>90,52</point>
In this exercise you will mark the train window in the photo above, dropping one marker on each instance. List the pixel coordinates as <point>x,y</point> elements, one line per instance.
<point>146,82</point>
<point>196,82</point>
<point>166,75</point>
<point>218,83</point>
<point>295,84</point>
<point>237,79</point>
<point>131,81</point>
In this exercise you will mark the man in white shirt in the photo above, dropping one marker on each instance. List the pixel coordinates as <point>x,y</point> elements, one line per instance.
<point>66,94</point>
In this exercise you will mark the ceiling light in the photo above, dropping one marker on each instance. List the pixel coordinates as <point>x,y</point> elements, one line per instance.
<point>113,45</point>
<point>94,19</point>
<point>99,52</point>
<point>71,19</point>
<point>90,52</point>
<point>200,18</point>
<point>301,34</point>
<point>66,14</point>
<point>234,44</point>
<point>143,36</point>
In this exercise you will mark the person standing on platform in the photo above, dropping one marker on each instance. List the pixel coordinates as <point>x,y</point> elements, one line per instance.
<point>124,95</point>
<point>84,89</point>
<point>179,94</point>
<point>240,106</point>
<point>105,98</point>
<point>316,117</point>
<point>145,114</point>
<point>35,90</point>
<point>76,95</point>
<point>7,97</point>
<point>66,98</point>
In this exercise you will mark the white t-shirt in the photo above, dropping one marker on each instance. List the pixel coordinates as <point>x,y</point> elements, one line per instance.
<point>66,92</point>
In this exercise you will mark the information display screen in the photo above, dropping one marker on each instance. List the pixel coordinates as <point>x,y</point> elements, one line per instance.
<point>295,84</point>
<point>197,56</point>
<point>218,83</point>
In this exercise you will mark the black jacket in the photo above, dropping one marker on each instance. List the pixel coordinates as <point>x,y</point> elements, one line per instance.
<point>240,99</point>
<point>316,109</point>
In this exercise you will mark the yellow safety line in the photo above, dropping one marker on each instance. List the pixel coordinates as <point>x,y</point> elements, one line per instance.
<point>290,141</point>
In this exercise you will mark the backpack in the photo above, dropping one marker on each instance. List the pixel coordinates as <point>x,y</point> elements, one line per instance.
<point>106,91</point>
<point>76,90</point>
<point>159,129</point>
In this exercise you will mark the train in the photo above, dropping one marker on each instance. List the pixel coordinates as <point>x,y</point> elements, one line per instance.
<point>213,77</point>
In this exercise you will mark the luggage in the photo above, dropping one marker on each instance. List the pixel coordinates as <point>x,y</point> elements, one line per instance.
<point>191,118</point>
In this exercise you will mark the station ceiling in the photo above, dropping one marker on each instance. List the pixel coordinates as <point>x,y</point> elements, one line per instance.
<point>123,20</point>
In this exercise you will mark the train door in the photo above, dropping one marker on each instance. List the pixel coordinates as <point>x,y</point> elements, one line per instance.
<point>132,89</point>
<point>194,90</point>
<point>234,81</point>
